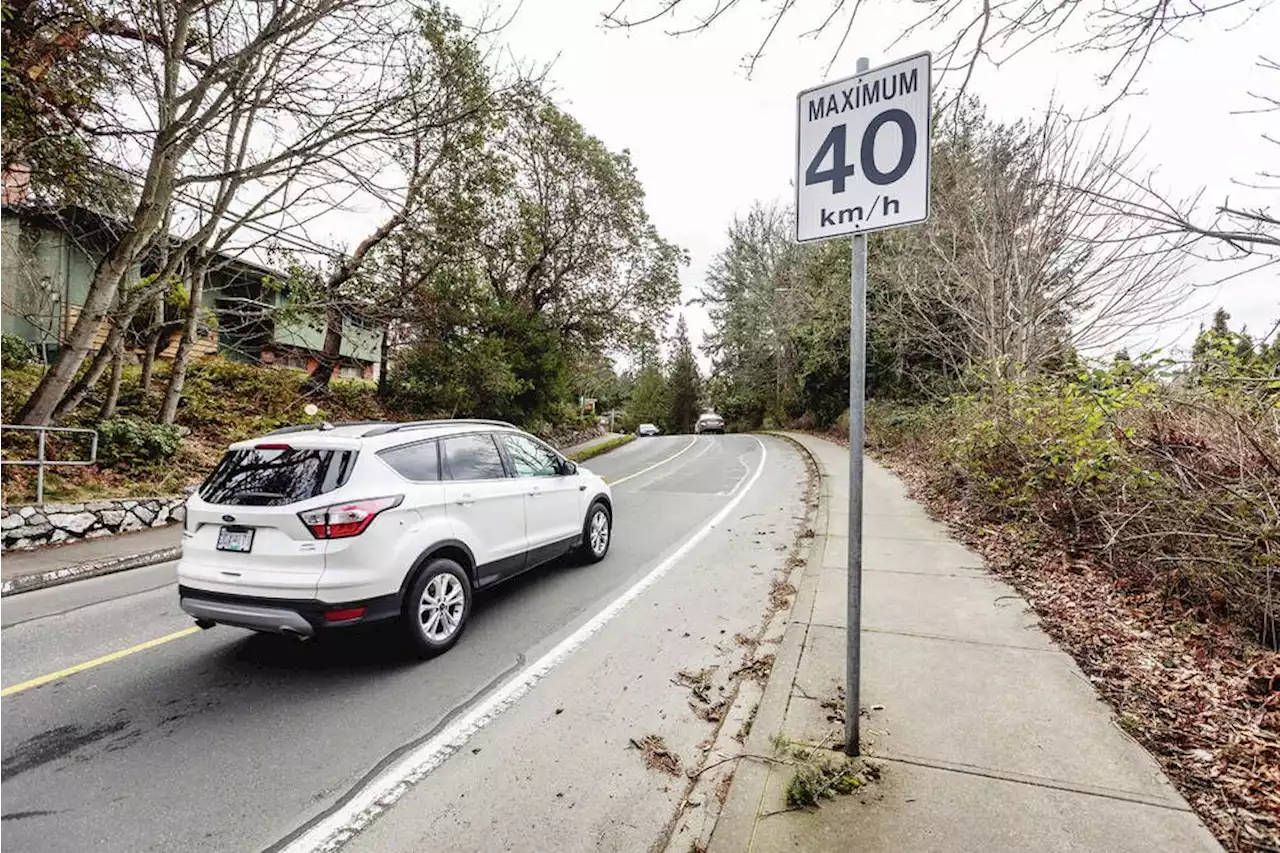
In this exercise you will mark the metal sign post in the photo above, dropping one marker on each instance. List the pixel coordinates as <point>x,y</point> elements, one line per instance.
<point>885,116</point>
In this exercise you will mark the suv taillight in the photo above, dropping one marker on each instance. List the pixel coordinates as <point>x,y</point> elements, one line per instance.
<point>342,521</point>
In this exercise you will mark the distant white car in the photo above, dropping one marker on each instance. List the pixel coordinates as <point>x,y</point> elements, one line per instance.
<point>709,422</point>
<point>318,527</point>
<point>647,429</point>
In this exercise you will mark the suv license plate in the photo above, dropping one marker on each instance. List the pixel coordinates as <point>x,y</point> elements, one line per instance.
<point>235,540</point>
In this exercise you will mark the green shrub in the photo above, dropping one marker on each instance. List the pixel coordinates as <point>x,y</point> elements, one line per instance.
<point>1044,447</point>
<point>218,393</point>
<point>130,442</point>
<point>18,383</point>
<point>1171,485</point>
<point>14,353</point>
<point>602,448</point>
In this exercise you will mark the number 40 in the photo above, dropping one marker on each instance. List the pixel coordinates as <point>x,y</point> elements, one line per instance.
<point>841,169</point>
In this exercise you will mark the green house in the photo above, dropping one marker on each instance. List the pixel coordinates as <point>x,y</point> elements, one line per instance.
<point>48,258</point>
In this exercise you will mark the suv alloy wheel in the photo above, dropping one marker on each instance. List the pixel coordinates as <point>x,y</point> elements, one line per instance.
<point>437,607</point>
<point>597,533</point>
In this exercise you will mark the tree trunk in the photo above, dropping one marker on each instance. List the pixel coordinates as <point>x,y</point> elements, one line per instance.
<point>383,380</point>
<point>157,190</point>
<point>44,403</point>
<point>76,393</point>
<point>152,348</point>
<point>178,373</point>
<point>331,352</point>
<point>108,409</point>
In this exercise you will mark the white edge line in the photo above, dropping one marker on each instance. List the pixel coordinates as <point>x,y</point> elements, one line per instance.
<point>381,793</point>
<point>680,452</point>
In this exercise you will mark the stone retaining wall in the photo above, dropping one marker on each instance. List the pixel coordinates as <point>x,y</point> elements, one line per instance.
<point>571,438</point>
<point>31,526</point>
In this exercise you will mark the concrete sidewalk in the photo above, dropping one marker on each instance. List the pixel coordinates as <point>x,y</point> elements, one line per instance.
<point>988,736</point>
<point>24,571</point>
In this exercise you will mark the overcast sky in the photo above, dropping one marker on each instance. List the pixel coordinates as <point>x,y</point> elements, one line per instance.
<point>707,141</point>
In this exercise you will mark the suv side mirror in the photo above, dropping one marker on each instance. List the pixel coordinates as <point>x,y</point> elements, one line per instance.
<point>567,468</point>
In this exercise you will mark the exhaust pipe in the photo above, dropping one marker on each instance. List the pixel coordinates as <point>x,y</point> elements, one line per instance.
<point>290,631</point>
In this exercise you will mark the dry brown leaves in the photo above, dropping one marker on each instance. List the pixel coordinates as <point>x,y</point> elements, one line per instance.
<point>656,755</point>
<point>780,592</point>
<point>700,684</point>
<point>756,669</point>
<point>1200,696</point>
<point>723,786</point>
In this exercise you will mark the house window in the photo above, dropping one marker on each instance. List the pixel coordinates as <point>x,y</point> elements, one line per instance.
<point>351,371</point>
<point>292,360</point>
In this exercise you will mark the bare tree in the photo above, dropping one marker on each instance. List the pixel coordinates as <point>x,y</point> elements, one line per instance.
<point>205,61</point>
<point>1020,265</point>
<point>1122,32</point>
<point>1228,230</point>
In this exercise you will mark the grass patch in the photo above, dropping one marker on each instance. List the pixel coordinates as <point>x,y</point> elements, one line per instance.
<point>601,448</point>
<point>821,774</point>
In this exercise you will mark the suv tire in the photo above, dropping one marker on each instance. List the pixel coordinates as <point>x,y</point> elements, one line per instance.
<point>597,533</point>
<point>437,607</point>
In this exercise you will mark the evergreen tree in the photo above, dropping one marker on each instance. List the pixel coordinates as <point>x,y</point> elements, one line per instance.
<point>649,398</point>
<point>683,386</point>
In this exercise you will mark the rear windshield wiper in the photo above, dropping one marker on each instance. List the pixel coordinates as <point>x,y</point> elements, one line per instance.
<point>269,496</point>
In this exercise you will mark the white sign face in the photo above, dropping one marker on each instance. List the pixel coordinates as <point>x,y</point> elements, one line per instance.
<point>862,151</point>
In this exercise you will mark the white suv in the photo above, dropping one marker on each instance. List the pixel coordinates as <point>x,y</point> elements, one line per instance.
<point>316,527</point>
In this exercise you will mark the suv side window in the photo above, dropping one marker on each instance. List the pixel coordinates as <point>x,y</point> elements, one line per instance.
<point>473,456</point>
<point>419,462</point>
<point>530,458</point>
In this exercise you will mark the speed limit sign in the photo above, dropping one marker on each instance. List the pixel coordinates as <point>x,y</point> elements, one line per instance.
<point>862,151</point>
<point>862,164</point>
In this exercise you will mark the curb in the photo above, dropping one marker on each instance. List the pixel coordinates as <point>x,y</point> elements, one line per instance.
<point>600,448</point>
<point>735,827</point>
<point>57,577</point>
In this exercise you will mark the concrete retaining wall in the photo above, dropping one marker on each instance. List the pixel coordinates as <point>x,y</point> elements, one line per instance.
<point>32,526</point>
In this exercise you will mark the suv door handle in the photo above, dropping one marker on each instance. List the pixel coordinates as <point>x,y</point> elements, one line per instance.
<point>465,500</point>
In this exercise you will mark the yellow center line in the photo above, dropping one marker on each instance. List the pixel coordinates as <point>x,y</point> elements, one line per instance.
<point>114,656</point>
<point>186,632</point>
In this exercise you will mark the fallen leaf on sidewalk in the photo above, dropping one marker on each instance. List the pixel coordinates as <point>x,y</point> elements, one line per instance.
<point>656,754</point>
<point>757,669</point>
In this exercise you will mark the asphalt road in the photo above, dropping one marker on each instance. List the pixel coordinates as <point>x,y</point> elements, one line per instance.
<point>226,740</point>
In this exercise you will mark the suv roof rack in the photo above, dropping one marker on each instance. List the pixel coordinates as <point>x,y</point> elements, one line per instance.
<point>323,426</point>
<point>385,428</point>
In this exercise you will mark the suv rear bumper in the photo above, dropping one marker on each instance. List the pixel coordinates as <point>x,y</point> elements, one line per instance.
<point>303,618</point>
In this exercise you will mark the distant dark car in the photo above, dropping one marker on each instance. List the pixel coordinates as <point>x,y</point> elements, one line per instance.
<point>647,429</point>
<point>710,423</point>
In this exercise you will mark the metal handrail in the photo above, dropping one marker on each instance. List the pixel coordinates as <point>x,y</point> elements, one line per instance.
<point>40,461</point>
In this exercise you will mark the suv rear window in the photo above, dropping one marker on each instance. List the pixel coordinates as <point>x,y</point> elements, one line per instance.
<point>274,476</point>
